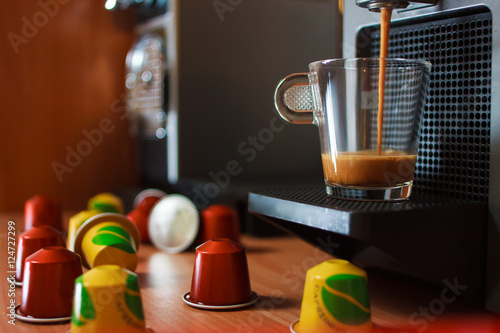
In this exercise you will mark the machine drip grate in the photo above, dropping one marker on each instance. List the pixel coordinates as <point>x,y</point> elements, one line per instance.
<point>317,197</point>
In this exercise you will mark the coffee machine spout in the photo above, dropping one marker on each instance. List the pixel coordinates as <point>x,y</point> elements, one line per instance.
<point>375,5</point>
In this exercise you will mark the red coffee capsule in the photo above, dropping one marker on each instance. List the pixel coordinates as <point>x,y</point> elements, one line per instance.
<point>146,199</point>
<point>219,221</point>
<point>220,276</point>
<point>140,219</point>
<point>33,240</point>
<point>147,204</point>
<point>41,210</point>
<point>48,284</point>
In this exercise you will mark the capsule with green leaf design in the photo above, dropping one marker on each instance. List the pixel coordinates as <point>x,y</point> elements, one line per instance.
<point>335,299</point>
<point>106,203</point>
<point>108,239</point>
<point>107,299</point>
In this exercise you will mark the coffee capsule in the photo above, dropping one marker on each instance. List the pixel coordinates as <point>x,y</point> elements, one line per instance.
<point>49,280</point>
<point>41,210</point>
<point>219,221</point>
<point>75,222</point>
<point>143,204</point>
<point>106,203</point>
<point>107,299</point>
<point>140,219</point>
<point>33,240</point>
<point>220,277</point>
<point>108,239</point>
<point>335,300</point>
<point>173,223</point>
<point>146,199</point>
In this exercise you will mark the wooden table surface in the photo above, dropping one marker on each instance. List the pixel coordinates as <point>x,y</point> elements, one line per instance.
<point>277,270</point>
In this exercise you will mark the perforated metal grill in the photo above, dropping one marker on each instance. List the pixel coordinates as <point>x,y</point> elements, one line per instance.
<point>453,159</point>
<point>404,86</point>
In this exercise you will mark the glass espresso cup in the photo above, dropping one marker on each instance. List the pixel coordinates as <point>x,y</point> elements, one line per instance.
<point>365,155</point>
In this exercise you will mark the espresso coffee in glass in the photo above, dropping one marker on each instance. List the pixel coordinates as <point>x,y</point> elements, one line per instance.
<point>368,153</point>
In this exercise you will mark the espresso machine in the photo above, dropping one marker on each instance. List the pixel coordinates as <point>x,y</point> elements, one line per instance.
<point>449,230</point>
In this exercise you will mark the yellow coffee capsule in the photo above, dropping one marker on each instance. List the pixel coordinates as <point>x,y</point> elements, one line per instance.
<point>107,299</point>
<point>335,299</point>
<point>106,203</point>
<point>75,222</point>
<point>108,239</point>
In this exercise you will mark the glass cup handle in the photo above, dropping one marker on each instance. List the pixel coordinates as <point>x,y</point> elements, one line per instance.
<point>299,115</point>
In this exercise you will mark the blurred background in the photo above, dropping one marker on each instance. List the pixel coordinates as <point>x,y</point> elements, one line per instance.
<point>60,74</point>
<point>78,117</point>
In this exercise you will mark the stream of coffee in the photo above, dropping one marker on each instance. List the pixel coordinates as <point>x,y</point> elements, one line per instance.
<point>385,21</point>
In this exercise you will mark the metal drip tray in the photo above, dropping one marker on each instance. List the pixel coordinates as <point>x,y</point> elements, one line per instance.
<point>428,237</point>
<point>314,208</point>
